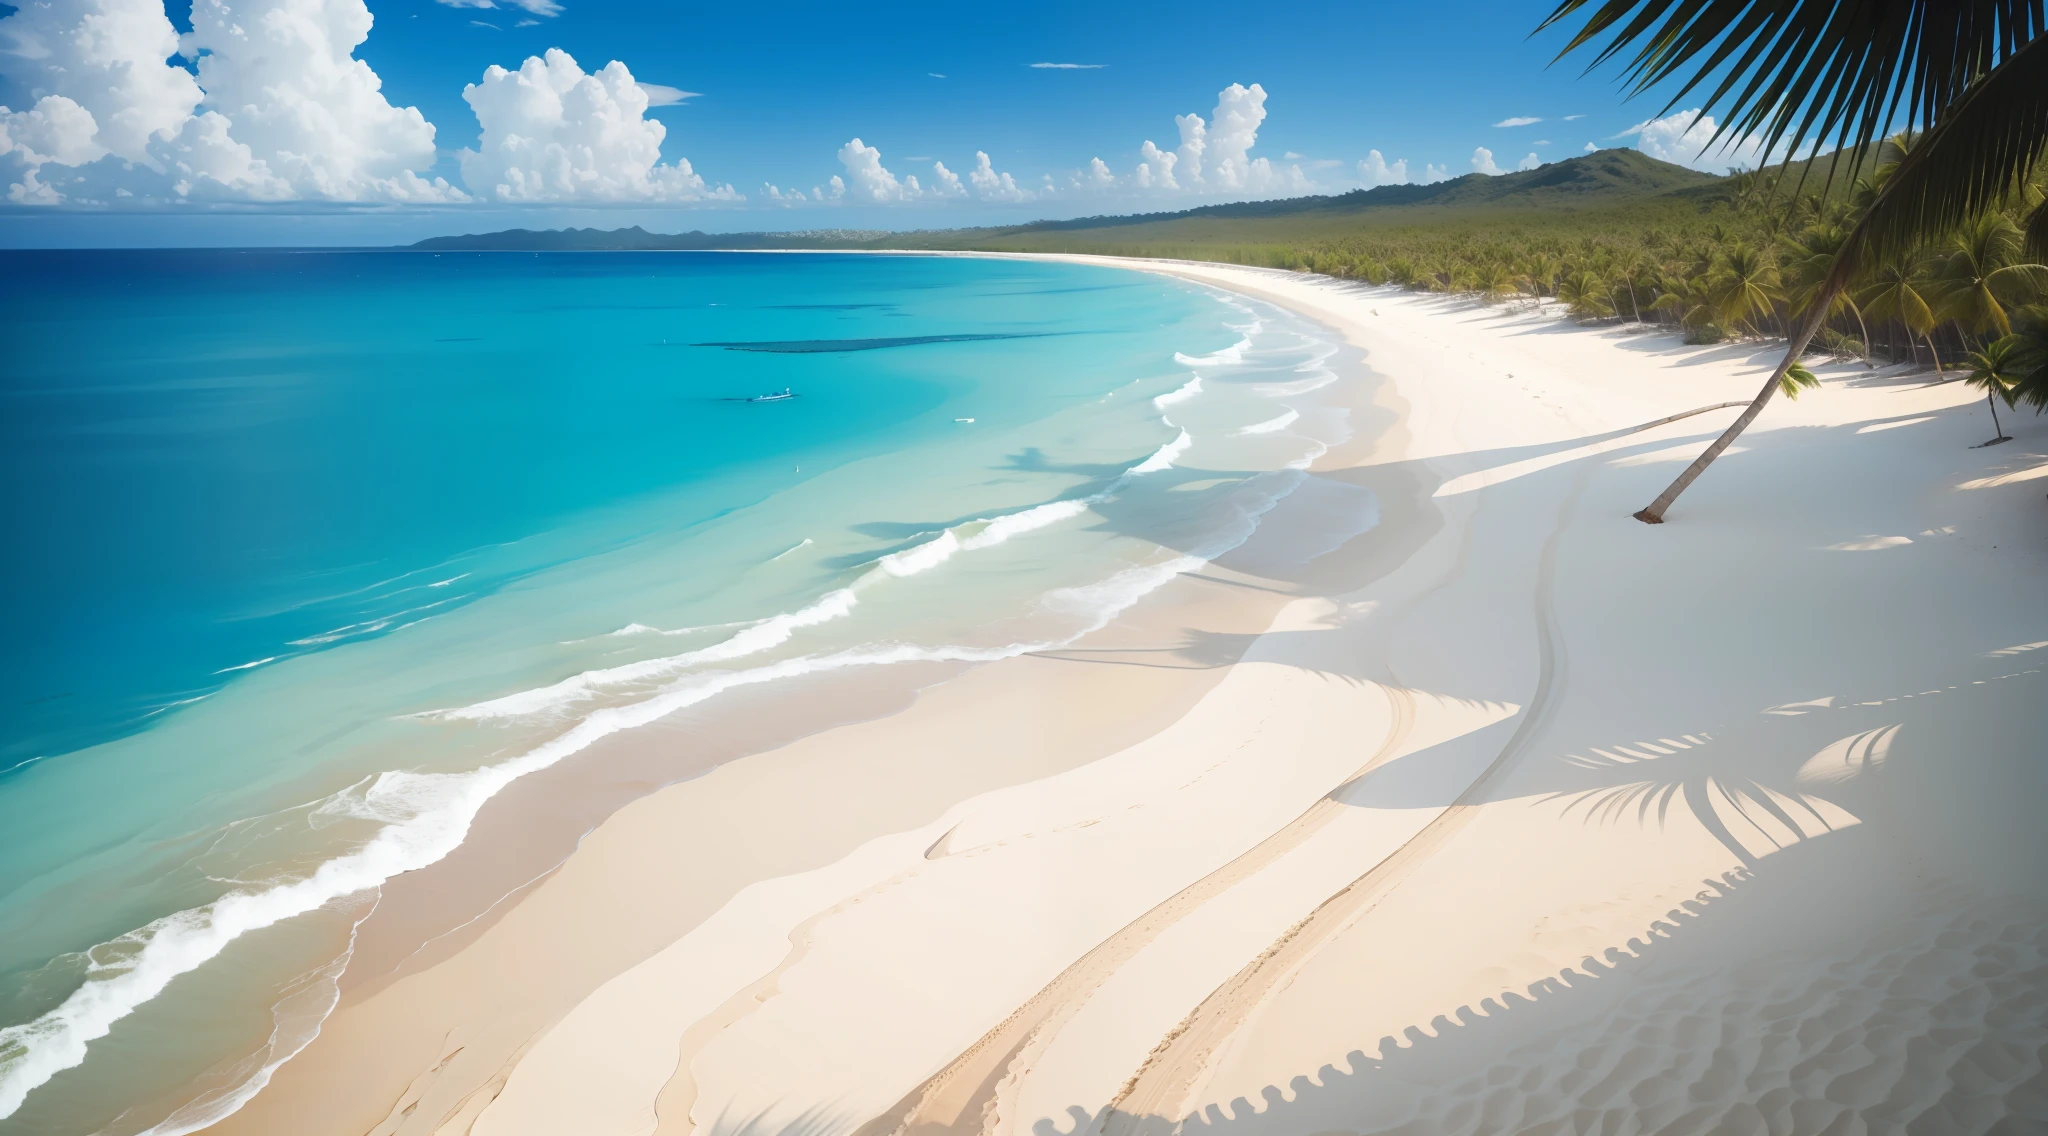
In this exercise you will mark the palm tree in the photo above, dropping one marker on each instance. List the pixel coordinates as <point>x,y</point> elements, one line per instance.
<point>1979,278</point>
<point>1996,369</point>
<point>1898,291</point>
<point>1496,282</point>
<point>1630,266</point>
<point>1812,258</point>
<point>1691,299</point>
<point>1786,73</point>
<point>1586,294</point>
<point>2028,363</point>
<point>1745,287</point>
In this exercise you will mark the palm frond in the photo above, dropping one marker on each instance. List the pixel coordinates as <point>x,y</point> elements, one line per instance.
<point>1974,157</point>
<point>1790,72</point>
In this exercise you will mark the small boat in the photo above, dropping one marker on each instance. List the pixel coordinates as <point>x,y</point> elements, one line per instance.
<point>785,396</point>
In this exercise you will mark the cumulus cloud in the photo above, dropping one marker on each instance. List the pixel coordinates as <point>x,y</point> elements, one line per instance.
<point>1374,170</point>
<point>1432,173</point>
<point>1686,138</point>
<point>1519,120</point>
<point>777,194</point>
<point>552,133</point>
<point>868,179</point>
<point>1214,155</point>
<point>1591,147</point>
<point>992,186</point>
<point>1529,163</point>
<point>1482,163</point>
<point>279,109</point>
<point>1155,168</point>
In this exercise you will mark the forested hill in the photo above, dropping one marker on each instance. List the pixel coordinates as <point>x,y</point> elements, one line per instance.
<point>1615,184</point>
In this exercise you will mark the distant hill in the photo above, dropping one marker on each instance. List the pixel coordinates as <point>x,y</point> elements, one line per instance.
<point>1621,184</point>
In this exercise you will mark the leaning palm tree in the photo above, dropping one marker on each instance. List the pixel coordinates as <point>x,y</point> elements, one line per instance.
<point>1996,369</point>
<point>1794,73</point>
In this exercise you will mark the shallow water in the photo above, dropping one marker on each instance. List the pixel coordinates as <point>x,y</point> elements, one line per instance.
<point>327,548</point>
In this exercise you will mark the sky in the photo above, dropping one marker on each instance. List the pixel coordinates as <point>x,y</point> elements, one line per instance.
<point>337,122</point>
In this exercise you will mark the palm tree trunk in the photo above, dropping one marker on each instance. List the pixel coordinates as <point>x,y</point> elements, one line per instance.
<point>1865,329</point>
<point>1653,514</point>
<point>1936,352</point>
<point>1997,431</point>
<point>1632,305</point>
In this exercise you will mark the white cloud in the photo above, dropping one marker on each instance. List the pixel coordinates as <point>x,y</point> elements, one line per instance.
<point>1291,156</point>
<point>1540,142</point>
<point>1683,138</point>
<point>1155,168</point>
<point>1529,163</point>
<point>1591,147</point>
<point>553,133</point>
<point>945,183</point>
<point>784,196</point>
<point>935,74</point>
<point>870,180</point>
<point>1572,117</point>
<point>993,186</point>
<point>1432,173</point>
<point>537,7</point>
<point>1070,66</point>
<point>660,96</point>
<point>1374,170</point>
<point>1482,163</point>
<point>1098,175</point>
<point>1518,120</point>
<point>1233,130</point>
<point>1194,139</point>
<point>280,108</point>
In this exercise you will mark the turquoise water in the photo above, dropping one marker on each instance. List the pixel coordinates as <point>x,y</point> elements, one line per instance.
<point>318,550</point>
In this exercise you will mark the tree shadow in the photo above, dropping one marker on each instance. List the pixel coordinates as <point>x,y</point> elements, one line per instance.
<point>1761,1003</point>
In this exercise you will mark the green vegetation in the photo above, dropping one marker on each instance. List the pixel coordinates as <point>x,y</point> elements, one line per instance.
<point>1791,75</point>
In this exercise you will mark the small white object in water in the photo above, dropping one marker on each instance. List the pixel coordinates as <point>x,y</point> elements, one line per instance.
<point>963,420</point>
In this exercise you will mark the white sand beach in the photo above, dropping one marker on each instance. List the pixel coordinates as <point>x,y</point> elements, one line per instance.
<point>1504,813</point>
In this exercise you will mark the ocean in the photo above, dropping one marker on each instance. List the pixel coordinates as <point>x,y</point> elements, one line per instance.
<point>312,552</point>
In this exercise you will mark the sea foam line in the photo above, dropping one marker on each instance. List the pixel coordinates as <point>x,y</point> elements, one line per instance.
<point>1182,393</point>
<point>426,816</point>
<point>1270,425</point>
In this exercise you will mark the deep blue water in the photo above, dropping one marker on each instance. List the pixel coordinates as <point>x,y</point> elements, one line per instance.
<point>216,457</point>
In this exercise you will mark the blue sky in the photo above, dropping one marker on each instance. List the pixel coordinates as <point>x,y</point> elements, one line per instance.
<point>778,93</point>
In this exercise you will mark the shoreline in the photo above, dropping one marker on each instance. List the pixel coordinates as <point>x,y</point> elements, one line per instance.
<point>1429,663</point>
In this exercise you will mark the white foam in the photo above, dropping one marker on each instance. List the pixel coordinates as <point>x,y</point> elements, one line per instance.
<point>764,635</point>
<point>1163,457</point>
<point>1228,355</point>
<point>1317,381</point>
<point>792,548</point>
<point>1270,425</point>
<point>1015,524</point>
<point>426,816</point>
<point>1182,393</point>
<point>248,666</point>
<point>920,558</point>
